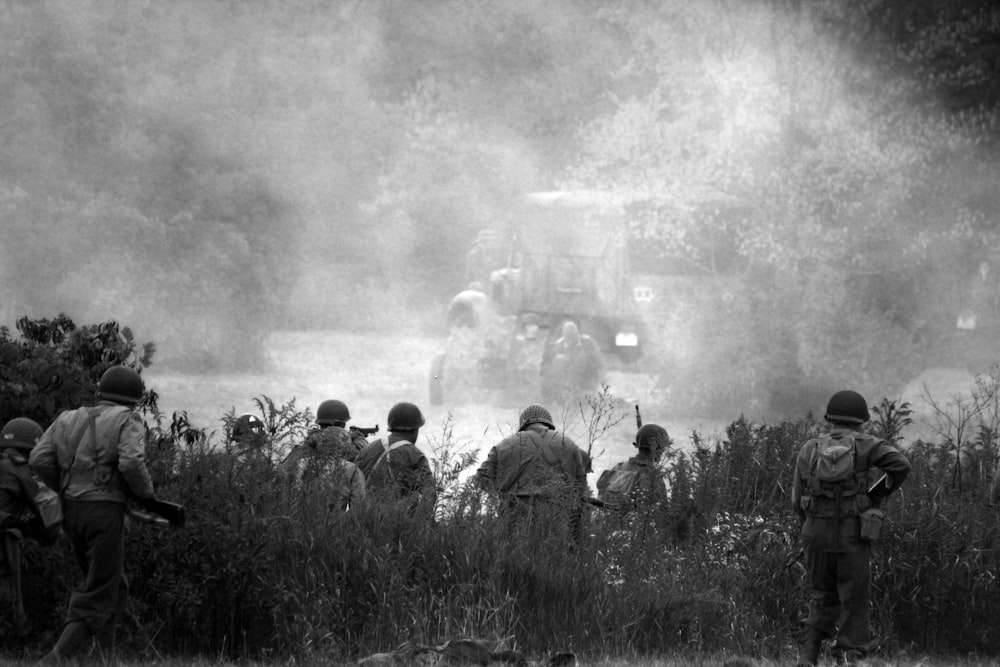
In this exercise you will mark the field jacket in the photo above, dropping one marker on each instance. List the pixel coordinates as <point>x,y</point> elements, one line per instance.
<point>94,454</point>
<point>534,462</point>
<point>870,452</point>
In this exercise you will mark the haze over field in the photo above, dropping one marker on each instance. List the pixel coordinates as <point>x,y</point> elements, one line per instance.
<point>811,185</point>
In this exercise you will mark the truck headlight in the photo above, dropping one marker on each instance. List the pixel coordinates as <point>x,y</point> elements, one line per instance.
<point>626,339</point>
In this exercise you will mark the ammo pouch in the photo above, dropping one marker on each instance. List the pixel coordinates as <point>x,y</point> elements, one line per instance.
<point>871,524</point>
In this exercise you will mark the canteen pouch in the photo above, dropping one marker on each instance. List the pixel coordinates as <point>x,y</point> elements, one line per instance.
<point>49,507</point>
<point>871,524</point>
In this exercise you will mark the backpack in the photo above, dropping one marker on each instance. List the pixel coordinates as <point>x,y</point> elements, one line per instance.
<point>620,490</point>
<point>833,467</point>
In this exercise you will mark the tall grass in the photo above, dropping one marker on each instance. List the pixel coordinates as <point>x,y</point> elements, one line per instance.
<point>261,573</point>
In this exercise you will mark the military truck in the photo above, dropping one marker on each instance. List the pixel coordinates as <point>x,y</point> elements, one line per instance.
<point>562,257</point>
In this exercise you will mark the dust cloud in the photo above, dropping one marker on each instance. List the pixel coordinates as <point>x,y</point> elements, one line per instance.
<point>214,173</point>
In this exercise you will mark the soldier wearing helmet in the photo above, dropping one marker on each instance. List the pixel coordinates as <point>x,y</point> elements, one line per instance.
<point>395,469</point>
<point>20,514</point>
<point>332,417</point>
<point>536,471</point>
<point>324,462</point>
<point>637,487</point>
<point>573,365</point>
<point>18,489</point>
<point>248,437</point>
<point>95,457</point>
<point>469,308</point>
<point>830,493</point>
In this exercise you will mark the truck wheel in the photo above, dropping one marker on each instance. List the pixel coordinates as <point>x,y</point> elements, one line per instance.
<point>436,383</point>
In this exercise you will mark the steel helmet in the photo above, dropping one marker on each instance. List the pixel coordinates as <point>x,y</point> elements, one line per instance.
<point>570,334</point>
<point>848,407</point>
<point>120,384</point>
<point>247,424</point>
<point>21,433</point>
<point>535,414</point>
<point>331,412</point>
<point>652,436</point>
<point>405,417</point>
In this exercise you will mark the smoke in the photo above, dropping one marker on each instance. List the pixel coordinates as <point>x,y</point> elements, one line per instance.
<point>210,172</point>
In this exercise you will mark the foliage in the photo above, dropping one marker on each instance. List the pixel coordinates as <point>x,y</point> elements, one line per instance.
<point>56,365</point>
<point>263,573</point>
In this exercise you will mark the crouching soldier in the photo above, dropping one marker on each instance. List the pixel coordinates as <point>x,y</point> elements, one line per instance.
<point>830,493</point>
<point>20,514</point>
<point>95,457</point>
<point>636,489</point>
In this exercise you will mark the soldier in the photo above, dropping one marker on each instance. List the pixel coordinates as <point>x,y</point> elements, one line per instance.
<point>326,458</point>
<point>332,435</point>
<point>95,457</point>
<point>396,469</point>
<point>537,470</point>
<point>249,437</point>
<point>20,514</point>
<point>637,487</point>
<point>573,365</point>
<point>830,494</point>
<point>469,308</point>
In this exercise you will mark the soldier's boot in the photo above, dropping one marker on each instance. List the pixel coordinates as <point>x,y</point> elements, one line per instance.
<point>809,654</point>
<point>74,637</point>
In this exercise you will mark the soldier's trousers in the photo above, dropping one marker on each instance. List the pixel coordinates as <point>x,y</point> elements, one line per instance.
<point>839,568</point>
<point>97,532</point>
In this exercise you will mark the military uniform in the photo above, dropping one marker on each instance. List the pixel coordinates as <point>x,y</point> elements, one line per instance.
<point>648,494</point>
<point>836,557</point>
<point>20,515</point>
<point>18,509</point>
<point>650,489</point>
<point>323,470</point>
<point>575,364</point>
<point>334,439</point>
<point>536,470</point>
<point>95,457</point>
<point>398,470</point>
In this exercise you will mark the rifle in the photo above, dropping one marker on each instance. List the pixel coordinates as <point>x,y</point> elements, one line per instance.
<point>638,418</point>
<point>147,517</point>
<point>364,430</point>
<point>880,489</point>
<point>172,513</point>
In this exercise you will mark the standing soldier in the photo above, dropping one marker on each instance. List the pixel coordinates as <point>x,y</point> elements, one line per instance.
<point>95,457</point>
<point>574,365</point>
<point>396,469</point>
<point>249,438</point>
<point>636,487</point>
<point>325,461</point>
<point>840,520</point>
<point>332,417</point>
<point>536,471</point>
<point>20,515</point>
